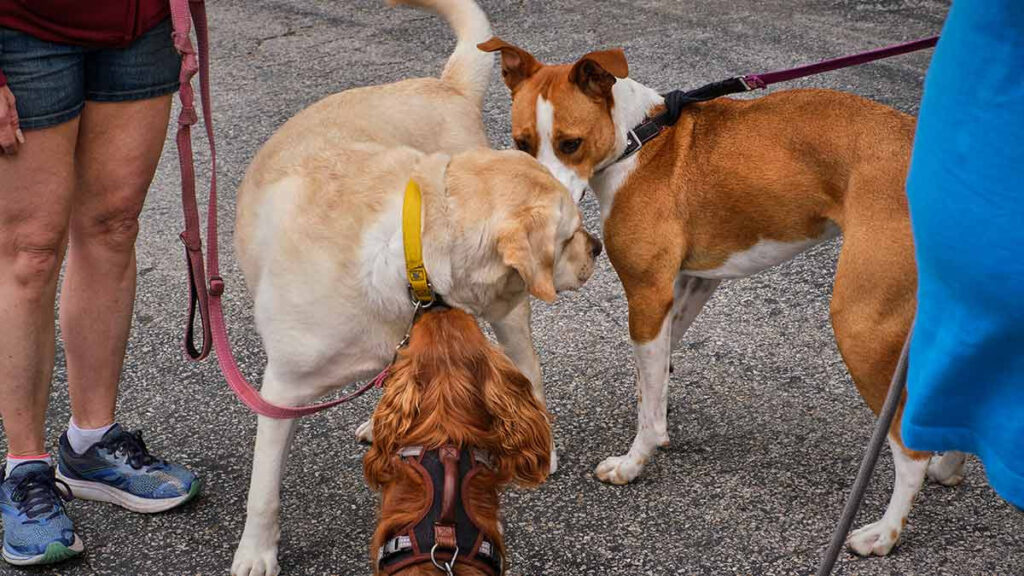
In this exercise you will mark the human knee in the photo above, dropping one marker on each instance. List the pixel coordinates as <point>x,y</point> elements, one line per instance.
<point>35,255</point>
<point>114,226</point>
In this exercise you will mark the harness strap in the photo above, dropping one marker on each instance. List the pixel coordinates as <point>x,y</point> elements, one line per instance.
<point>676,100</point>
<point>447,532</point>
<point>205,300</point>
<point>444,528</point>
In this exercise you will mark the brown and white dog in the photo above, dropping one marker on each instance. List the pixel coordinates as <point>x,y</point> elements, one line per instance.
<point>457,423</point>
<point>735,187</point>
<point>319,239</point>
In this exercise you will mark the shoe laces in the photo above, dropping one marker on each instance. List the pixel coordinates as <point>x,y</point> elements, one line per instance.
<point>134,449</point>
<point>40,492</point>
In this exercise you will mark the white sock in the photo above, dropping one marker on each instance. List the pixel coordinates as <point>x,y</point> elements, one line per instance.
<point>13,461</point>
<point>82,439</point>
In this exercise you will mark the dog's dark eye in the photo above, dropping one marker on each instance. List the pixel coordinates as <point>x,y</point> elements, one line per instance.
<point>523,145</point>
<point>570,146</point>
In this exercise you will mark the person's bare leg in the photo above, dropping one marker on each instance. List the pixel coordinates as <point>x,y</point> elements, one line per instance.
<point>119,145</point>
<point>36,186</point>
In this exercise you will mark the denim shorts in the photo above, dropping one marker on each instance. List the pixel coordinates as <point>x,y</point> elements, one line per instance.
<point>52,81</point>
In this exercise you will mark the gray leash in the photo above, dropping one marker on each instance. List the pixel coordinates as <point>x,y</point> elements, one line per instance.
<point>867,465</point>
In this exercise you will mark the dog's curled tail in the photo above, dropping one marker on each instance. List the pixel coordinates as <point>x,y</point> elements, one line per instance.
<point>468,69</point>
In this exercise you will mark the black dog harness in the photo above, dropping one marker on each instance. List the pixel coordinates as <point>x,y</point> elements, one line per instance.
<point>448,532</point>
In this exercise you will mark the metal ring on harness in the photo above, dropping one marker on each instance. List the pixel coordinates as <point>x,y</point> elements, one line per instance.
<point>446,567</point>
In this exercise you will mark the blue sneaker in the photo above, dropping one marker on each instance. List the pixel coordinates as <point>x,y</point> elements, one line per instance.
<point>119,469</point>
<point>37,530</point>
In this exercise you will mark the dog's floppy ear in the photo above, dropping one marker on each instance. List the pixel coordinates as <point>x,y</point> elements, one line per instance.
<point>516,64</point>
<point>528,246</point>
<point>392,420</point>
<point>520,424</point>
<point>596,72</point>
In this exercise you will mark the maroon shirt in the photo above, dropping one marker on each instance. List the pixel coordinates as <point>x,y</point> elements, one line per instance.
<point>98,23</point>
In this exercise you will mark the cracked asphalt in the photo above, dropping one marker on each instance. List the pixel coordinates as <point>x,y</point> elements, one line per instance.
<point>767,429</point>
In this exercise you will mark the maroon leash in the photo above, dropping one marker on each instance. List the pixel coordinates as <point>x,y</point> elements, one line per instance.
<point>205,299</point>
<point>765,80</point>
<point>679,99</point>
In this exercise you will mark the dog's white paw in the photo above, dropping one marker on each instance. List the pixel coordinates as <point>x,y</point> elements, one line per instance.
<point>554,462</point>
<point>947,468</point>
<point>877,539</point>
<point>364,433</point>
<point>254,561</point>
<point>619,469</point>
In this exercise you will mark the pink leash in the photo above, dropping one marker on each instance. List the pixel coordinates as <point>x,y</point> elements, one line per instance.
<point>206,299</point>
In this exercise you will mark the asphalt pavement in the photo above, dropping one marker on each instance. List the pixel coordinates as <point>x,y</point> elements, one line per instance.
<point>767,429</point>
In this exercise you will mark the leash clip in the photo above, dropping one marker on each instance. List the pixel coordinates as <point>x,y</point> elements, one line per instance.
<point>417,306</point>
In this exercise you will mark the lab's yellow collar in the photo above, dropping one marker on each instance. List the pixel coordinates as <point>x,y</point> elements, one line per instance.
<point>419,284</point>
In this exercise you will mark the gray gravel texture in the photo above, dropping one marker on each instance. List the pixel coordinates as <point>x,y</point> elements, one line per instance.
<point>767,429</point>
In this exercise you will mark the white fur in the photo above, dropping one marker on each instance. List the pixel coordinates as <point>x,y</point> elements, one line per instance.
<point>652,361</point>
<point>633,101</point>
<point>606,183</point>
<point>880,537</point>
<point>762,255</point>
<point>382,260</point>
<point>546,151</point>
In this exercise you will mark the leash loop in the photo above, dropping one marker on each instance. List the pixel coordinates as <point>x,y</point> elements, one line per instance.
<point>205,296</point>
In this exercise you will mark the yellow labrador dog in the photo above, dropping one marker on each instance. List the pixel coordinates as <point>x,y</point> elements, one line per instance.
<point>319,239</point>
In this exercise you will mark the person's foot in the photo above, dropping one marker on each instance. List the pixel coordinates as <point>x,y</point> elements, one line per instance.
<point>119,469</point>
<point>37,529</point>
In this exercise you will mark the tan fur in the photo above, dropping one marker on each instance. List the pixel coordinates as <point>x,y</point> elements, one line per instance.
<point>733,173</point>
<point>318,237</point>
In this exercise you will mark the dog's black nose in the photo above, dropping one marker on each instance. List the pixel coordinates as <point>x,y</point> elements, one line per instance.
<point>595,249</point>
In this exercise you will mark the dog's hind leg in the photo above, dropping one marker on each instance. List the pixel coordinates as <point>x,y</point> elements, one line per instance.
<point>872,310</point>
<point>256,554</point>
<point>879,538</point>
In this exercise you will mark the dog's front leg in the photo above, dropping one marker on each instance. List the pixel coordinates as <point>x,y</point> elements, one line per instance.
<point>257,551</point>
<point>652,361</point>
<point>514,334</point>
